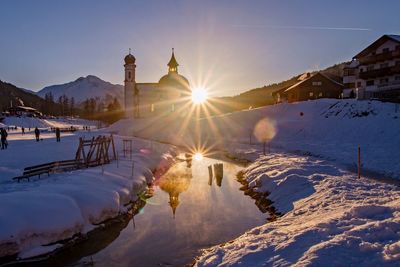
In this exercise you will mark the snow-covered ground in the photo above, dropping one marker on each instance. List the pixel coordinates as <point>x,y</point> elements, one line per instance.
<point>331,218</point>
<point>31,122</point>
<point>36,213</point>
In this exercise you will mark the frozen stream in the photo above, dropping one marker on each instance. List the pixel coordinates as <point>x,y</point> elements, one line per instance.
<point>185,215</point>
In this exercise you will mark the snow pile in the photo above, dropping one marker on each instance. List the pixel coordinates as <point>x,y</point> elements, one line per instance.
<point>332,219</point>
<point>33,214</point>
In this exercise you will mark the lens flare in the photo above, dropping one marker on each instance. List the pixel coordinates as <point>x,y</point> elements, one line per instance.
<point>265,130</point>
<point>199,95</point>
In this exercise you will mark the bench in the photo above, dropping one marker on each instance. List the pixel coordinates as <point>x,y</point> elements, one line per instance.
<point>52,167</point>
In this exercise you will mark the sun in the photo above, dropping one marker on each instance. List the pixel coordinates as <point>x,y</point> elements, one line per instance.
<point>198,156</point>
<point>199,95</point>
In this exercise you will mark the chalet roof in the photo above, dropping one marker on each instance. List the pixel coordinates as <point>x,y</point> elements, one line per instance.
<point>311,76</point>
<point>378,43</point>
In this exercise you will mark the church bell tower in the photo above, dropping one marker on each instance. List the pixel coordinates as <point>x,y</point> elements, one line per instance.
<point>130,91</point>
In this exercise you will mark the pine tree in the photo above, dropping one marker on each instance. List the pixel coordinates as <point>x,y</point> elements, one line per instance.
<point>72,106</point>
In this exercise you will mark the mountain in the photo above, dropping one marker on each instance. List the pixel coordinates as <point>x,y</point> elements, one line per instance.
<point>84,88</point>
<point>18,96</point>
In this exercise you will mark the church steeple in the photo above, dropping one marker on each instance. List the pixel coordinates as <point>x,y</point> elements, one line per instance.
<point>173,64</point>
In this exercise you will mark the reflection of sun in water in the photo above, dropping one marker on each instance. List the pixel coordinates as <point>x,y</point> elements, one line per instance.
<point>199,95</point>
<point>198,156</point>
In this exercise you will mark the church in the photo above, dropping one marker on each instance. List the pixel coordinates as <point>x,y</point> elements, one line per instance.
<point>150,99</point>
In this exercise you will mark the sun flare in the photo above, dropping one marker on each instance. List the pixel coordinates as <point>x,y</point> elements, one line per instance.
<point>198,156</point>
<point>199,95</point>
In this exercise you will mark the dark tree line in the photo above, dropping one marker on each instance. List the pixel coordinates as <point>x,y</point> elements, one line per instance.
<point>65,105</point>
<point>108,111</point>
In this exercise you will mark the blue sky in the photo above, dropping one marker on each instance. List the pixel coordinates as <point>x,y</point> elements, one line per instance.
<point>229,46</point>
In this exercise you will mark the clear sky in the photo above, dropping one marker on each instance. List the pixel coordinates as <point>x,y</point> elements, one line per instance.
<point>230,46</point>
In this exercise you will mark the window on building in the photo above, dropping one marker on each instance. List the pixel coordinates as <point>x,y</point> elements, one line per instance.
<point>385,50</point>
<point>318,83</point>
<point>320,94</point>
<point>311,94</point>
<point>397,78</point>
<point>358,84</point>
<point>370,67</point>
<point>129,75</point>
<point>384,65</point>
<point>398,63</point>
<point>370,83</point>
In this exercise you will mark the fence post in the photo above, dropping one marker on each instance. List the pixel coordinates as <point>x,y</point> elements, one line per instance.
<point>359,162</point>
<point>133,167</point>
<point>264,147</point>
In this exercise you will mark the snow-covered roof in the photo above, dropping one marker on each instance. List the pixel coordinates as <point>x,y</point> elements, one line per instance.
<point>394,37</point>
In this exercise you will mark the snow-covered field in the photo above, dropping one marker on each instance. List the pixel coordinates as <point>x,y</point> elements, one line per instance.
<point>36,213</point>
<point>31,122</point>
<point>331,218</point>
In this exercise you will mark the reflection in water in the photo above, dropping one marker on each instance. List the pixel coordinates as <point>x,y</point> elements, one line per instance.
<point>218,174</point>
<point>174,183</point>
<point>205,216</point>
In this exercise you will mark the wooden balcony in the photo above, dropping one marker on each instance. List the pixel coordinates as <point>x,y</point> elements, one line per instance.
<point>380,57</point>
<point>371,74</point>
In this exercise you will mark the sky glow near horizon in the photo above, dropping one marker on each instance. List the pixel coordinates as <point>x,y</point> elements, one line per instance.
<point>226,46</point>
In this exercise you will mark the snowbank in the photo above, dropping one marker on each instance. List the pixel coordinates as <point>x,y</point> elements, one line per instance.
<point>33,214</point>
<point>332,219</point>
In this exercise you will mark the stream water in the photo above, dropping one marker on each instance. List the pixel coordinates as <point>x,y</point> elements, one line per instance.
<point>186,214</point>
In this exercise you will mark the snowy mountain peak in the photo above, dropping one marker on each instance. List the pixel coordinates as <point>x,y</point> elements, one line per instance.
<point>83,88</point>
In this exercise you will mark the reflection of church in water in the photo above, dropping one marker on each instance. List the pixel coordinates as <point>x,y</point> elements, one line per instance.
<point>174,183</point>
<point>149,99</point>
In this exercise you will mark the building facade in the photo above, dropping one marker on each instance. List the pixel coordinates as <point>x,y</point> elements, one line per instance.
<point>166,96</point>
<point>310,87</point>
<point>375,71</point>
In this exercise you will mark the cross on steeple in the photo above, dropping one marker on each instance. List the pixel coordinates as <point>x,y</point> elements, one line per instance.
<point>173,64</point>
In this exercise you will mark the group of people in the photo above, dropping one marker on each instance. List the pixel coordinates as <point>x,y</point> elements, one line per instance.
<point>4,135</point>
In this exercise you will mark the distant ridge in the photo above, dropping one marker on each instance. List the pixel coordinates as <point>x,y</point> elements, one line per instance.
<point>83,88</point>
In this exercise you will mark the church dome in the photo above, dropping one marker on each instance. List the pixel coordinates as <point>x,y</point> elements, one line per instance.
<point>175,82</point>
<point>174,79</point>
<point>130,59</point>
